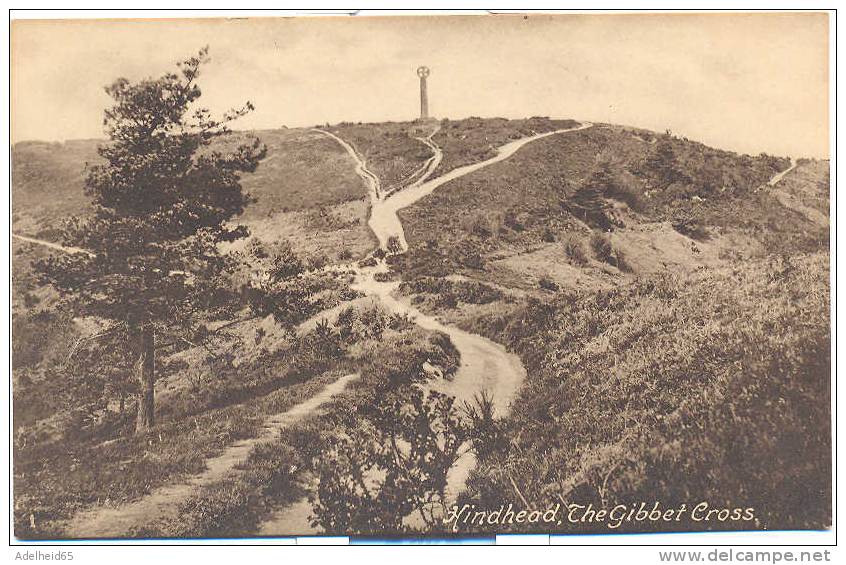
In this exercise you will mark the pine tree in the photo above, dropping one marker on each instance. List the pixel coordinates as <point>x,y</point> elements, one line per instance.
<point>161,203</point>
<point>588,202</point>
<point>662,165</point>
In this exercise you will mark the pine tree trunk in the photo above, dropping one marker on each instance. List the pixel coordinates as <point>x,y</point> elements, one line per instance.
<point>145,370</point>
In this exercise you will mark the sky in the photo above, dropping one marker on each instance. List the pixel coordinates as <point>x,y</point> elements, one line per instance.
<point>745,82</point>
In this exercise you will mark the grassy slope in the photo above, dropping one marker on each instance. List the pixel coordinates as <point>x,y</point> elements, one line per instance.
<point>713,387</point>
<point>670,367</point>
<point>607,340</point>
<point>305,187</point>
<point>390,149</point>
<point>515,213</point>
<point>476,139</point>
<point>805,190</point>
<point>531,183</point>
<point>48,181</point>
<point>302,170</point>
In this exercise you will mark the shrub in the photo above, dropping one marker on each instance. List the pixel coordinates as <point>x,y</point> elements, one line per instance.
<point>601,246</point>
<point>691,227</point>
<point>469,291</point>
<point>575,251</point>
<point>393,245</point>
<point>406,444</point>
<point>480,225</point>
<point>448,301</point>
<point>512,221</point>
<point>607,253</point>
<point>473,259</point>
<point>369,262</point>
<point>620,261</point>
<point>487,434</point>
<point>383,277</point>
<point>625,189</point>
<point>547,283</point>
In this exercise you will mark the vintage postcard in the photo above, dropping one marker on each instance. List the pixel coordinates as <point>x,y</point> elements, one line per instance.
<point>420,277</point>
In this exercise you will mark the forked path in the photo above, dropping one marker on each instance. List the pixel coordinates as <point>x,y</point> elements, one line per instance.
<point>119,521</point>
<point>485,365</point>
<point>384,220</point>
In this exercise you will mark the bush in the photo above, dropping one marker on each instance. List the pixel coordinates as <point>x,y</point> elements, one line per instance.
<point>605,252</point>
<point>512,221</point>
<point>626,190</point>
<point>602,249</point>
<point>405,446</point>
<point>692,228</point>
<point>480,226</point>
<point>448,301</point>
<point>575,251</point>
<point>547,283</point>
<point>473,259</point>
<point>486,432</point>
<point>620,262</point>
<point>393,245</point>
<point>469,291</point>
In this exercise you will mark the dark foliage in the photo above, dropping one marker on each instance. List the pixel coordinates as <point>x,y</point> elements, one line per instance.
<point>161,202</point>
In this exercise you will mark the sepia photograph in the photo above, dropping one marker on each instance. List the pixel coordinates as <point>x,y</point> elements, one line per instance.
<point>426,277</point>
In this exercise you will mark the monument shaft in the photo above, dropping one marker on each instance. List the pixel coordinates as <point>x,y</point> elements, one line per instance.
<point>423,72</point>
<point>424,99</point>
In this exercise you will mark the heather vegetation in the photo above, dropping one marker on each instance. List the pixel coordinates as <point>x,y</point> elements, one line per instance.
<point>391,150</point>
<point>576,182</point>
<point>671,311</point>
<point>645,381</point>
<point>48,181</point>
<point>712,388</point>
<point>475,139</point>
<point>384,428</point>
<point>467,291</point>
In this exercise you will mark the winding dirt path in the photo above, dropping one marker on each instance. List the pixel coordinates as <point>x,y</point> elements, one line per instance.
<point>485,365</point>
<point>117,522</point>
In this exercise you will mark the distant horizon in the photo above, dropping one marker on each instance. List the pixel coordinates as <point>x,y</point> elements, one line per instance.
<point>745,82</point>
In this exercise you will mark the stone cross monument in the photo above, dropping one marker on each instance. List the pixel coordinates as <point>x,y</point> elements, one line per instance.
<point>423,72</point>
